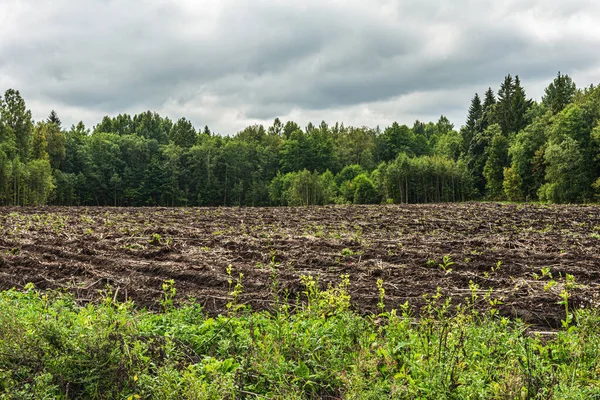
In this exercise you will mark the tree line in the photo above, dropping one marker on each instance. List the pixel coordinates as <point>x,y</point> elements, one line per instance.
<point>510,148</point>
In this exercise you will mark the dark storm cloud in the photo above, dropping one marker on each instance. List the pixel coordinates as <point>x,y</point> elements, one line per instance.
<point>229,62</point>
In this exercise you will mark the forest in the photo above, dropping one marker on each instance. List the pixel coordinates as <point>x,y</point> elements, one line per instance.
<point>510,148</point>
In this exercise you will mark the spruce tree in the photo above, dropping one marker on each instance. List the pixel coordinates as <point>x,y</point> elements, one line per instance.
<point>489,106</point>
<point>519,107</point>
<point>559,93</point>
<point>475,114</point>
<point>473,123</point>
<point>504,108</point>
<point>53,118</point>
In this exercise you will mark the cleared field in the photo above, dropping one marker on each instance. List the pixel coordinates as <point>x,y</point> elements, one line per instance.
<point>134,250</point>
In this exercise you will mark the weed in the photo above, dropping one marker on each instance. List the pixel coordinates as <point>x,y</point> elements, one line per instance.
<point>446,264</point>
<point>347,252</point>
<point>234,291</point>
<point>381,289</point>
<point>358,232</point>
<point>155,239</point>
<point>169,292</point>
<point>565,295</point>
<point>497,267</point>
<point>50,347</point>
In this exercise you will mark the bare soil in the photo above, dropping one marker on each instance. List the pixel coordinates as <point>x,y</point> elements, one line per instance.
<point>134,250</point>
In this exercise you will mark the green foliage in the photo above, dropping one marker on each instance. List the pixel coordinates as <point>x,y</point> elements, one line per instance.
<point>526,153</point>
<point>449,145</point>
<point>345,181</point>
<point>39,182</point>
<point>17,122</point>
<point>155,239</point>
<point>559,93</point>
<point>50,347</point>
<point>489,110</point>
<point>398,139</point>
<point>496,161</point>
<point>302,188</point>
<point>364,190</point>
<point>423,179</point>
<point>183,134</point>
<point>312,150</point>
<point>146,159</point>
<point>446,264</point>
<point>475,115</point>
<point>354,146</point>
<point>477,154</point>
<point>512,185</point>
<point>567,179</point>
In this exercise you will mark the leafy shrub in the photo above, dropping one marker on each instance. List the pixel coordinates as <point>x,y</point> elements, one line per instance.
<point>53,348</point>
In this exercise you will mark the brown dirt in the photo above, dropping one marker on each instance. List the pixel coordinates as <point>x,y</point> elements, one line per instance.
<point>85,249</point>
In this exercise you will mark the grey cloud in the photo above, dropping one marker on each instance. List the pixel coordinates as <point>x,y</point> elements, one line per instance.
<point>262,59</point>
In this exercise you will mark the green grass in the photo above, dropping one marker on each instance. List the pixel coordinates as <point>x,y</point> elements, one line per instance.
<point>53,348</point>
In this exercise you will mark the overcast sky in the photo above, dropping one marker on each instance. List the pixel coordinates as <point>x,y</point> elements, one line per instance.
<point>232,63</point>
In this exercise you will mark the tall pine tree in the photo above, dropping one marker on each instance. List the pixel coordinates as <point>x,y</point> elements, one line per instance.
<point>473,123</point>
<point>475,114</point>
<point>519,107</point>
<point>504,107</point>
<point>489,107</point>
<point>53,119</point>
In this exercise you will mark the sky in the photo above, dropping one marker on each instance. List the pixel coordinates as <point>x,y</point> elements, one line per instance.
<point>232,63</point>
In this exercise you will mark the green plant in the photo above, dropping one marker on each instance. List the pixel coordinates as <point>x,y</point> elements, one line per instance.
<point>545,273</point>
<point>155,239</point>
<point>234,291</point>
<point>446,264</point>
<point>381,289</point>
<point>565,295</point>
<point>497,267</point>
<point>358,232</point>
<point>53,347</point>
<point>169,292</point>
<point>347,252</point>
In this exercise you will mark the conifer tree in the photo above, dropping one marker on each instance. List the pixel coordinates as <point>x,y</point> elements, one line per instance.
<point>475,114</point>
<point>473,123</point>
<point>519,107</point>
<point>53,118</point>
<point>559,93</point>
<point>489,105</point>
<point>504,108</point>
